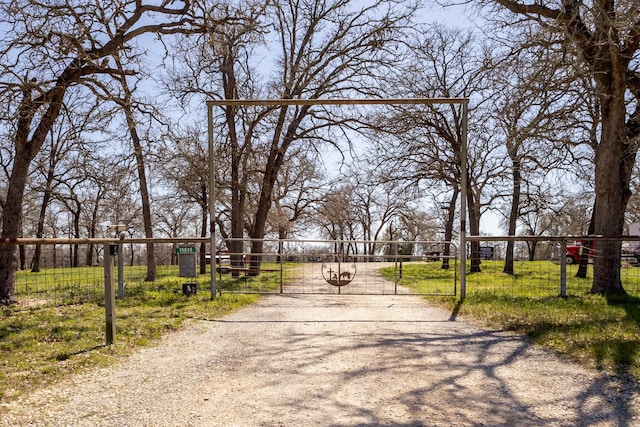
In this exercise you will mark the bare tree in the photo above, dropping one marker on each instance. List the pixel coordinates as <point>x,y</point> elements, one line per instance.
<point>325,49</point>
<point>299,189</point>
<point>535,113</point>
<point>427,146</point>
<point>175,217</point>
<point>185,167</point>
<point>121,204</point>
<point>377,201</point>
<point>56,149</point>
<point>95,187</point>
<point>56,162</point>
<point>74,206</point>
<point>538,212</point>
<point>50,49</point>
<point>605,37</point>
<point>336,219</point>
<point>320,49</point>
<point>128,104</point>
<point>222,66</point>
<point>317,49</point>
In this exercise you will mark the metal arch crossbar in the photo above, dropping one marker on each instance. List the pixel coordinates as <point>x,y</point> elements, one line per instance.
<point>338,101</point>
<point>345,101</point>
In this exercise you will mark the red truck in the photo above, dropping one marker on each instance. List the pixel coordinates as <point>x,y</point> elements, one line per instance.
<point>574,252</point>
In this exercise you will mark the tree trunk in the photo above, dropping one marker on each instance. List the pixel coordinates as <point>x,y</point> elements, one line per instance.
<point>203,233</point>
<point>23,257</point>
<point>257,234</point>
<point>75,260</point>
<point>237,187</point>
<point>142,175</point>
<point>614,160</point>
<point>531,246</point>
<point>586,249</point>
<point>474,229</point>
<point>275,160</point>
<point>513,215</point>
<point>11,215</point>
<point>448,229</point>
<point>35,266</point>
<point>88,259</point>
<point>235,245</point>
<point>46,198</point>
<point>25,150</point>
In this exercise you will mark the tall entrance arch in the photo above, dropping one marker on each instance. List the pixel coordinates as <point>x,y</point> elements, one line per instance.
<point>464,102</point>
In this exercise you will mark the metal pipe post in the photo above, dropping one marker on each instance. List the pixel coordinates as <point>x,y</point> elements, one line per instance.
<point>109,293</point>
<point>280,255</point>
<point>212,200</point>
<point>463,202</point>
<point>120,270</point>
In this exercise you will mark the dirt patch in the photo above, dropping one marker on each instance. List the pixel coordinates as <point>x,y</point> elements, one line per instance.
<point>366,280</point>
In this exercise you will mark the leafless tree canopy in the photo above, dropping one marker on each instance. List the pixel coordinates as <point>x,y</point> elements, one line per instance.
<point>103,102</point>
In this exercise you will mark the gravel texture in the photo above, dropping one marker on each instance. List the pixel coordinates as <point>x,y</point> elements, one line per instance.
<point>335,360</point>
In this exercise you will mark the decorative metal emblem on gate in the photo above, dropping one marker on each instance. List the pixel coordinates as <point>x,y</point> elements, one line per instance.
<point>338,271</point>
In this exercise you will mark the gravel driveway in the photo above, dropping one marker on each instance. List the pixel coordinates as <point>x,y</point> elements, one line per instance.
<point>334,360</point>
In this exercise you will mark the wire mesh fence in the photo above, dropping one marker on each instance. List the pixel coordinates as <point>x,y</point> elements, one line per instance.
<point>52,274</point>
<point>342,267</point>
<point>73,272</point>
<point>548,267</point>
<point>59,286</point>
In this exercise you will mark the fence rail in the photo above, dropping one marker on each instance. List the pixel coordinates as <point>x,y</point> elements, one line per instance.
<point>338,266</point>
<point>71,271</point>
<point>556,263</point>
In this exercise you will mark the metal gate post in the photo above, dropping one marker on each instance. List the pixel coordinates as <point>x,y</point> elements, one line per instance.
<point>280,247</point>
<point>120,269</point>
<point>212,200</point>
<point>463,202</point>
<point>398,276</point>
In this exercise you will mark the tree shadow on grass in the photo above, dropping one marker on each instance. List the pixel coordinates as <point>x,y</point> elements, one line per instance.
<point>66,355</point>
<point>630,304</point>
<point>622,351</point>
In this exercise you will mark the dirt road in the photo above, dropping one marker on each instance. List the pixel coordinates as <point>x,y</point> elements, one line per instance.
<point>334,360</point>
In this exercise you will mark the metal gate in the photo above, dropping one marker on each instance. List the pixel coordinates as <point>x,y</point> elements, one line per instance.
<point>339,267</point>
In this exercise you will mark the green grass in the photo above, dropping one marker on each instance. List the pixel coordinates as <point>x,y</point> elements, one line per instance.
<point>267,281</point>
<point>40,344</point>
<point>597,332</point>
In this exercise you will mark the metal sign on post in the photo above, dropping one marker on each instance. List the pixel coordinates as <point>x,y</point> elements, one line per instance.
<point>187,261</point>
<point>186,249</point>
